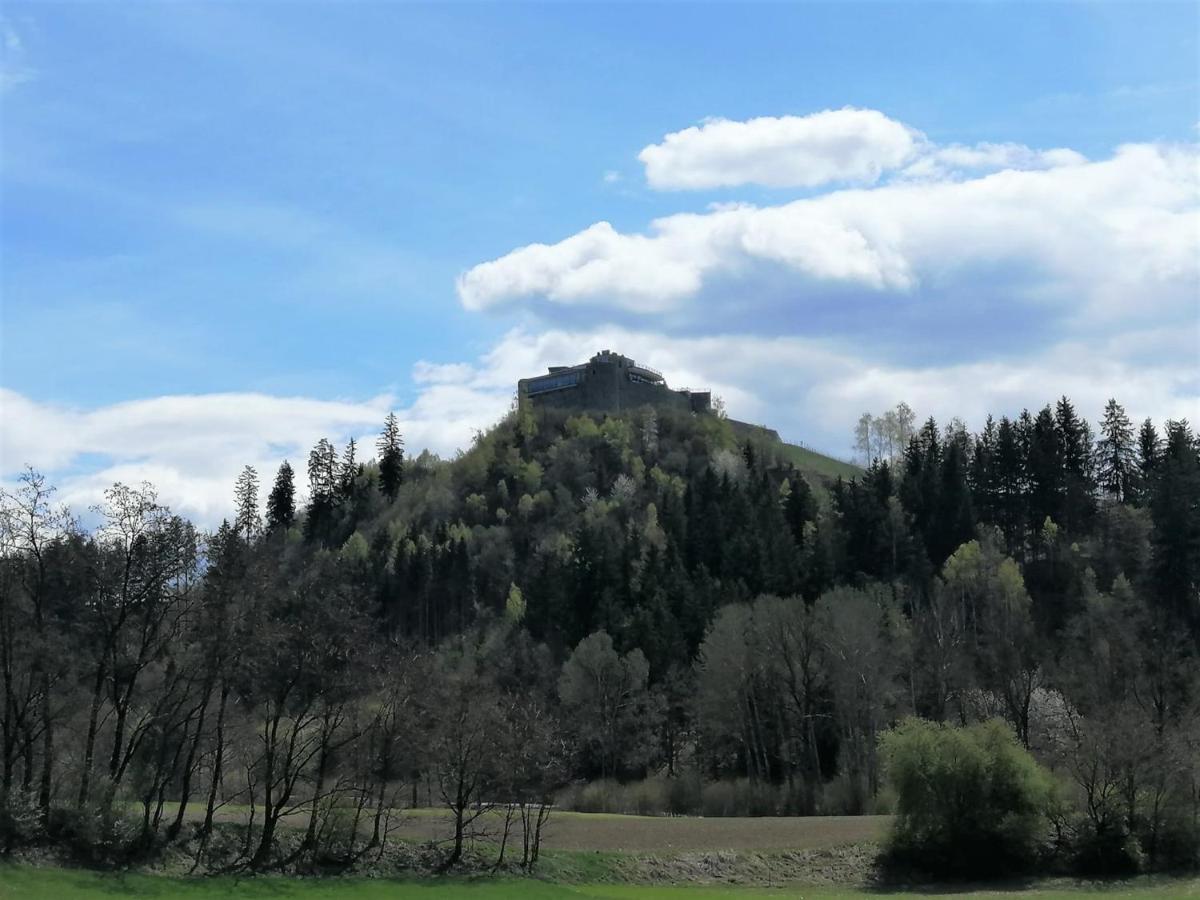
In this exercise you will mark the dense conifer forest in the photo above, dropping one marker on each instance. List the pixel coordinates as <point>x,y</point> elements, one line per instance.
<point>639,613</point>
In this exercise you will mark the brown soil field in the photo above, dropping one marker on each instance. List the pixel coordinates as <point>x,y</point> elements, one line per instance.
<point>651,834</point>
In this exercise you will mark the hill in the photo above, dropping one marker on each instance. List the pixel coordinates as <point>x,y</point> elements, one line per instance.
<point>818,465</point>
<point>640,523</point>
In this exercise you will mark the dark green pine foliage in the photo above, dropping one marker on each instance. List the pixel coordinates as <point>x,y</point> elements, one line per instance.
<point>391,457</point>
<point>281,502</point>
<point>955,517</point>
<point>1175,507</point>
<point>982,478</point>
<point>323,489</point>
<point>935,492</point>
<point>1008,478</point>
<point>348,472</point>
<point>1116,453</point>
<point>1079,488</point>
<point>1149,454</point>
<point>1044,470</point>
<point>863,508</point>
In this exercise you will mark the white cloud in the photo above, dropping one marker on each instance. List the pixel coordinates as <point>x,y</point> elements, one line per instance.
<point>850,146</point>
<point>1085,236</point>
<point>956,160</point>
<point>854,145</point>
<point>14,67</point>
<point>812,390</point>
<point>192,447</point>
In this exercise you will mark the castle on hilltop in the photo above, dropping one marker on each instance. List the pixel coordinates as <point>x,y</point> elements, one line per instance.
<point>608,382</point>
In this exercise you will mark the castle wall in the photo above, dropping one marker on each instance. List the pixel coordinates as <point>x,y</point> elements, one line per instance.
<point>605,384</point>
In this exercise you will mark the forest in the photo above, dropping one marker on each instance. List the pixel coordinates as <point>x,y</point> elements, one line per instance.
<point>628,613</point>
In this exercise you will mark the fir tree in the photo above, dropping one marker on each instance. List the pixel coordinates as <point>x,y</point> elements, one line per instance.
<point>245,493</point>
<point>281,502</point>
<point>1175,507</point>
<point>391,457</point>
<point>1116,452</point>
<point>349,471</point>
<point>1149,453</point>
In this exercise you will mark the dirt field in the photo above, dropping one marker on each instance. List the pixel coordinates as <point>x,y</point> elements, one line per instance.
<point>651,834</point>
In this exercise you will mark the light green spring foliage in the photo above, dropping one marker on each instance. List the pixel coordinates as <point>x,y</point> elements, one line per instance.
<point>514,606</point>
<point>965,796</point>
<point>356,549</point>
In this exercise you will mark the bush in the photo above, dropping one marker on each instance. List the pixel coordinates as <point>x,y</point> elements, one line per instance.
<point>685,794</point>
<point>969,801</point>
<point>1106,853</point>
<point>743,797</point>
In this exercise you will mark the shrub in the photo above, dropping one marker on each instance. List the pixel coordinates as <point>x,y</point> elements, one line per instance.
<point>685,794</point>
<point>969,801</point>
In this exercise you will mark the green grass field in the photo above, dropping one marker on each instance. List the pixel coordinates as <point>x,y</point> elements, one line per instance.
<point>28,883</point>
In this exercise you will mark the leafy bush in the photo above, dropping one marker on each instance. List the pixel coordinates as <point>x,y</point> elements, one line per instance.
<point>969,801</point>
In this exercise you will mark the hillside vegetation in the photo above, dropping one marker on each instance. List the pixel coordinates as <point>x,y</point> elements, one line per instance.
<point>628,614</point>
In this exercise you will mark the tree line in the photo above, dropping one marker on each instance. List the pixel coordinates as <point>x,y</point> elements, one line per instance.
<point>616,599</point>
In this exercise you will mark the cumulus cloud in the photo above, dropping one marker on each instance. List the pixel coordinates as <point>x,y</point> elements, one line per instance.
<point>855,145</point>
<point>812,389</point>
<point>849,146</point>
<point>192,447</point>
<point>1087,236</point>
<point>957,160</point>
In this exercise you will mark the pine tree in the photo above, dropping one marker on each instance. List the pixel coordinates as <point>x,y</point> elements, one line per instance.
<point>245,493</point>
<point>1148,457</point>
<point>1009,477</point>
<point>1116,452</point>
<point>281,503</point>
<point>323,481</point>
<point>1044,468</point>
<point>322,471</point>
<point>391,457</point>
<point>1175,507</point>
<point>349,471</point>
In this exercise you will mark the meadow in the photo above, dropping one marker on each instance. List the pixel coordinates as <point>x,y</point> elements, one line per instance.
<point>29,883</point>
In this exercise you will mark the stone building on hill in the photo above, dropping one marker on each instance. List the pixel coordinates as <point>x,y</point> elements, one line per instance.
<point>608,382</point>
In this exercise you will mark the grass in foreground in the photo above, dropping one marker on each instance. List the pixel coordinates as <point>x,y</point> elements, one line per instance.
<point>29,883</point>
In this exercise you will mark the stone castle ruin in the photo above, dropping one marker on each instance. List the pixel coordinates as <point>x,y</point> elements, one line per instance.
<point>608,382</point>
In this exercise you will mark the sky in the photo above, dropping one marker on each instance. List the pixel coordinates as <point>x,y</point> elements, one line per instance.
<point>230,229</point>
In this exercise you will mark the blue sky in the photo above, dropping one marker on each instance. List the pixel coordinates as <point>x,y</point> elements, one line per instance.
<point>218,215</point>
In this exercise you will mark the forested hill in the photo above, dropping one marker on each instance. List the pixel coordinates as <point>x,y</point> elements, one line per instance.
<point>635,596</point>
<point>641,525</point>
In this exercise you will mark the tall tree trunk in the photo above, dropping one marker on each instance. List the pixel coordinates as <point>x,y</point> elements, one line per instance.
<point>47,778</point>
<point>189,768</point>
<point>89,746</point>
<point>218,762</point>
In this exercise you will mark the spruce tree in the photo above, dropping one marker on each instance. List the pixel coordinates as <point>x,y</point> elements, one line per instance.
<point>281,502</point>
<point>1149,453</point>
<point>349,471</point>
<point>1116,452</point>
<point>245,493</point>
<point>1044,467</point>
<point>391,457</point>
<point>323,486</point>
<point>1175,508</point>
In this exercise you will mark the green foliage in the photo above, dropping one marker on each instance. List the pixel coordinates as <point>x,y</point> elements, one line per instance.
<point>607,704</point>
<point>969,800</point>
<point>514,606</point>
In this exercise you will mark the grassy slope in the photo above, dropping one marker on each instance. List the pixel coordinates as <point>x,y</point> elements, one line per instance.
<point>810,461</point>
<point>27,883</point>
